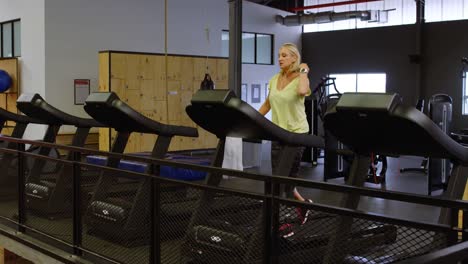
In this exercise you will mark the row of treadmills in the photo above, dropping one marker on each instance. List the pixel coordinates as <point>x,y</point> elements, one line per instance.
<point>367,123</point>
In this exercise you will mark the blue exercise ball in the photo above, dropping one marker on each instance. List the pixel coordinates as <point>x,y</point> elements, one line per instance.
<point>5,81</point>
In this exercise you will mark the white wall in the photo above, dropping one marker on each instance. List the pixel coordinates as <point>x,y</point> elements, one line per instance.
<point>32,61</point>
<point>67,35</point>
<point>77,30</point>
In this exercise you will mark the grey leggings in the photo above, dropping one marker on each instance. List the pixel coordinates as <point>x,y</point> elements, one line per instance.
<point>276,149</point>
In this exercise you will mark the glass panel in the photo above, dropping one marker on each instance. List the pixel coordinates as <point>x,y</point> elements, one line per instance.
<point>17,38</point>
<point>465,106</point>
<point>248,48</point>
<point>404,13</point>
<point>452,10</point>
<point>264,49</point>
<point>408,15</point>
<point>344,24</point>
<point>465,95</point>
<point>225,43</point>
<point>438,10</point>
<point>371,82</point>
<point>345,83</point>
<point>433,10</point>
<point>7,40</point>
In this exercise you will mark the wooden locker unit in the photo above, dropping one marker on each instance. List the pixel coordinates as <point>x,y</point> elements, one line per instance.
<point>159,112</point>
<point>132,98</point>
<point>3,100</point>
<point>222,70</point>
<point>118,65</point>
<point>159,89</point>
<point>147,90</point>
<point>202,65</point>
<point>141,81</point>
<point>10,65</point>
<point>106,79</point>
<point>133,144</point>
<point>118,86</point>
<point>221,85</point>
<point>174,68</point>
<point>104,139</point>
<point>9,97</point>
<point>104,72</point>
<point>11,102</point>
<point>133,68</point>
<point>146,64</point>
<point>174,103</point>
<point>187,73</point>
<point>147,140</point>
<point>185,97</point>
<point>6,131</point>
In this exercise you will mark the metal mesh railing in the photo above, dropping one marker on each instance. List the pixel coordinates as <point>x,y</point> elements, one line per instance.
<point>48,196</point>
<point>200,223</point>
<point>116,220</point>
<point>9,185</point>
<point>332,238</point>
<point>225,228</point>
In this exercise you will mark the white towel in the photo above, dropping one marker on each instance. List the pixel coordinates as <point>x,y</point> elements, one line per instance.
<point>233,154</point>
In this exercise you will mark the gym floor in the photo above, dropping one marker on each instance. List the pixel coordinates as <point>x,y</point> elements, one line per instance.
<point>408,182</point>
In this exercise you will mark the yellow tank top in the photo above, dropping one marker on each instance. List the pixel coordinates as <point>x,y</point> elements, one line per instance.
<point>287,107</point>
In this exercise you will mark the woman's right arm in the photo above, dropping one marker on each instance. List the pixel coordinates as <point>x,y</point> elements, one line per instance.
<point>265,108</point>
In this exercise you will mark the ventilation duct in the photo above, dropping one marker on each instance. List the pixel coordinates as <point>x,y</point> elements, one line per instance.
<point>380,16</point>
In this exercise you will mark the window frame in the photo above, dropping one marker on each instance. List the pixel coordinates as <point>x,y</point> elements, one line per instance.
<point>356,78</point>
<point>272,42</point>
<point>464,94</point>
<point>12,37</point>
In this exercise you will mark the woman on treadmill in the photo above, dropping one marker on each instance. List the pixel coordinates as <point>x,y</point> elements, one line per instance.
<point>287,91</point>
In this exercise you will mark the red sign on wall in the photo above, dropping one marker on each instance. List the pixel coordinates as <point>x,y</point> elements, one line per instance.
<point>82,90</point>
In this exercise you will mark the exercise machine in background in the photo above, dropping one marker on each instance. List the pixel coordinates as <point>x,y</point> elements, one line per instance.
<point>338,158</point>
<point>437,170</point>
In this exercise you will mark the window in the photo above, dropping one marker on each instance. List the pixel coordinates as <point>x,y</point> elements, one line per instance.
<point>438,10</point>
<point>359,82</point>
<point>404,13</point>
<point>465,94</point>
<point>10,39</point>
<point>257,48</point>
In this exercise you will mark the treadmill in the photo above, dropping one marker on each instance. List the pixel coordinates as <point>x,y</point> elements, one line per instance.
<point>381,124</point>
<point>210,240</point>
<point>48,193</point>
<point>125,218</point>
<point>8,181</point>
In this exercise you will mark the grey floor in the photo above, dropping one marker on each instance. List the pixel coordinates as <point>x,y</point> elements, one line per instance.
<point>408,182</point>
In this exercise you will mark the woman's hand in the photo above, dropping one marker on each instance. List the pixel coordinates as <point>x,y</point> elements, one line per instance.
<point>304,66</point>
<point>303,89</point>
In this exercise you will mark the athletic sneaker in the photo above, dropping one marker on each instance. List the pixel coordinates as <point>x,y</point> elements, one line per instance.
<point>286,230</point>
<point>304,213</point>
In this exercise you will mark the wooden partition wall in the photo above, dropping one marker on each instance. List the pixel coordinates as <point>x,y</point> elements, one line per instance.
<point>159,87</point>
<point>8,98</point>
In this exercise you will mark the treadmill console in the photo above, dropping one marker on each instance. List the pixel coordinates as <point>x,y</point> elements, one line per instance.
<point>362,102</point>
<point>212,96</point>
<point>100,98</point>
<point>27,98</point>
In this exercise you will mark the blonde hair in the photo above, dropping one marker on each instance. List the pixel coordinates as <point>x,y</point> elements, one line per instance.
<point>292,48</point>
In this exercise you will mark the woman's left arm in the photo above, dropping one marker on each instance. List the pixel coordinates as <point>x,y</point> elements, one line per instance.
<point>303,89</point>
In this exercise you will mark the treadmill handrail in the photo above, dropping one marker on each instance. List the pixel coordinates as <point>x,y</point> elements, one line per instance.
<point>18,118</point>
<point>399,130</point>
<point>36,107</point>
<point>232,117</point>
<point>114,106</point>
